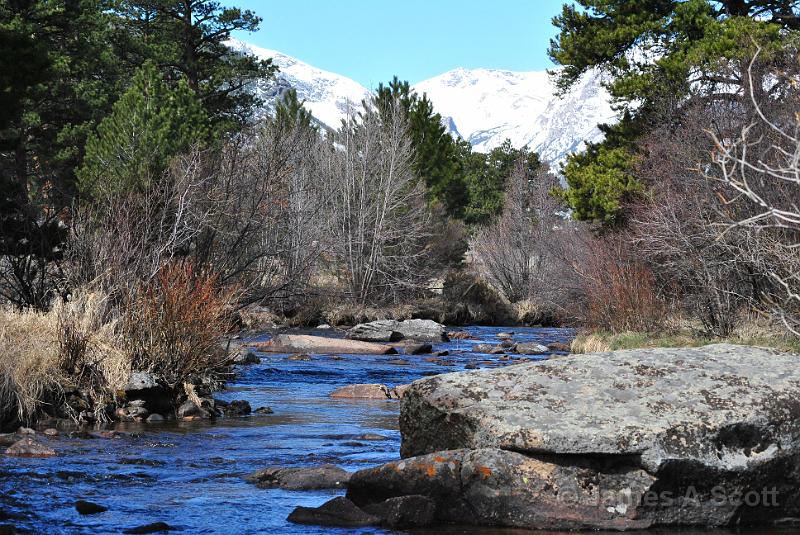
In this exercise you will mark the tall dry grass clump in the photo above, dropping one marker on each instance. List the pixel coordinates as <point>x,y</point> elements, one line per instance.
<point>174,324</point>
<point>44,357</point>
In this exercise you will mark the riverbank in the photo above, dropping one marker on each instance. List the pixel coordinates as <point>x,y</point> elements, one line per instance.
<point>597,341</point>
<point>89,361</point>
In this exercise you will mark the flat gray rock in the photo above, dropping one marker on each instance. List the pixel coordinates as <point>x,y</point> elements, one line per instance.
<point>393,331</point>
<point>317,345</point>
<point>656,403</point>
<point>658,436</point>
<point>141,381</point>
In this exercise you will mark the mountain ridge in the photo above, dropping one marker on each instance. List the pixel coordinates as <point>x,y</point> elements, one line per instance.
<point>483,106</point>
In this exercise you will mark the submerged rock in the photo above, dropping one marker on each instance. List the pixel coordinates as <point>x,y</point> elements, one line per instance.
<point>622,440</point>
<point>326,476</point>
<point>301,343</point>
<point>460,335</point>
<point>338,512</point>
<point>190,411</point>
<point>29,447</point>
<point>362,391</point>
<point>237,407</point>
<point>245,357</point>
<point>89,508</point>
<point>393,331</point>
<point>155,527</point>
<point>419,349</point>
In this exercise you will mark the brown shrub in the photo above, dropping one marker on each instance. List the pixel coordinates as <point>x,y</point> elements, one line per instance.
<point>620,291</point>
<point>174,324</point>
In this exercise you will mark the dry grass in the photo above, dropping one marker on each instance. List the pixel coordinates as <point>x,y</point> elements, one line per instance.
<point>595,342</point>
<point>44,355</point>
<point>353,314</point>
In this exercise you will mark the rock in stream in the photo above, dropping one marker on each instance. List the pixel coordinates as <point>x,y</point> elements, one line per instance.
<point>622,440</point>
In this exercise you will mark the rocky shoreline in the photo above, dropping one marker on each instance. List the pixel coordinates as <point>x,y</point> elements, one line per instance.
<point>622,440</point>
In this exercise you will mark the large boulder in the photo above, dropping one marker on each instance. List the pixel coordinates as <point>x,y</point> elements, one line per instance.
<point>498,487</point>
<point>393,331</point>
<point>619,440</point>
<point>302,343</point>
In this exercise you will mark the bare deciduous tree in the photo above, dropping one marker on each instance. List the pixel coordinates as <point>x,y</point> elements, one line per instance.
<point>518,253</point>
<point>377,214</point>
<point>265,201</point>
<point>119,242</point>
<point>761,166</point>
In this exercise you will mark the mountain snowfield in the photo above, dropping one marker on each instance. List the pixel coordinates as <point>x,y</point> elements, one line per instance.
<point>325,94</point>
<point>483,106</point>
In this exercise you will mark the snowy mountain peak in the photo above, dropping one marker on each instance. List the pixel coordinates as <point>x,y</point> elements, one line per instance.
<point>488,106</point>
<point>483,106</point>
<point>326,95</point>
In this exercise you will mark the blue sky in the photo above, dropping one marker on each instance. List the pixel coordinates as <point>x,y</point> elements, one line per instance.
<point>372,40</point>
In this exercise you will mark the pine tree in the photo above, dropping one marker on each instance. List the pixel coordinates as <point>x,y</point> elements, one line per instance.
<point>60,77</point>
<point>186,39</point>
<point>150,124</point>
<point>485,176</point>
<point>290,113</point>
<point>436,153</point>
<point>659,55</point>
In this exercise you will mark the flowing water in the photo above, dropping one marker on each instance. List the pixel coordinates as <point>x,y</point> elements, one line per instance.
<point>190,474</point>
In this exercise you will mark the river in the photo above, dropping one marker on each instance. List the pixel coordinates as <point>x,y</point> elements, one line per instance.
<point>190,474</point>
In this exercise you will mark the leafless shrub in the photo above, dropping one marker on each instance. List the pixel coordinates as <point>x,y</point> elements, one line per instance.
<point>378,218</point>
<point>621,291</point>
<point>529,254</point>
<point>175,323</point>
<point>761,167</point>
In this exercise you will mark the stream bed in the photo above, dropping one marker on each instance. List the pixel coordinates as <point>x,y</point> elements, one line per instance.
<point>190,474</point>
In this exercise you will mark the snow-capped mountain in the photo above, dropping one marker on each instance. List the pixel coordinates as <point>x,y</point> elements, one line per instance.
<point>488,106</point>
<point>483,106</point>
<point>325,94</point>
